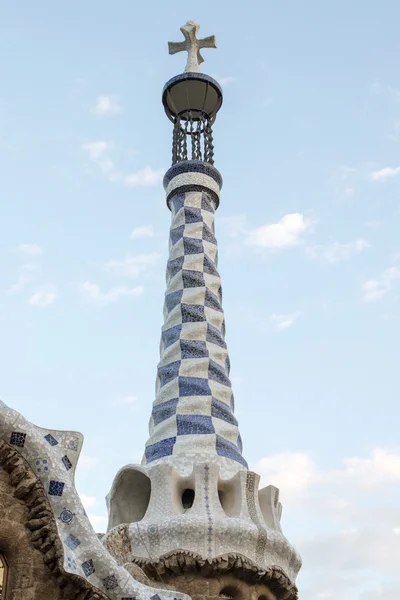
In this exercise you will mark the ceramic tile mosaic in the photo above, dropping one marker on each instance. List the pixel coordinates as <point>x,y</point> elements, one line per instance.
<point>53,455</point>
<point>194,437</point>
<point>193,389</point>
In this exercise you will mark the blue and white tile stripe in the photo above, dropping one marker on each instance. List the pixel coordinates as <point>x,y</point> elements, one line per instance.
<point>193,410</point>
<point>53,456</point>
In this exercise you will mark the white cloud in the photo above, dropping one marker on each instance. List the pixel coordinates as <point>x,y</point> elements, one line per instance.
<point>132,265</point>
<point>375,289</point>
<point>383,467</point>
<point>97,149</point>
<point>107,105</point>
<point>43,298</point>
<point>99,522</point>
<point>92,293</point>
<point>99,153</point>
<point>87,462</point>
<point>29,250</point>
<point>287,232</point>
<point>127,400</point>
<point>379,89</point>
<point>349,191</point>
<point>290,472</point>
<point>142,232</point>
<point>27,274</point>
<point>145,177</point>
<point>88,501</point>
<point>283,321</point>
<point>340,517</point>
<point>337,252</point>
<point>384,173</point>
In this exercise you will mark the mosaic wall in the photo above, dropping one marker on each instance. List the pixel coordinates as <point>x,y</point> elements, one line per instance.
<point>53,456</point>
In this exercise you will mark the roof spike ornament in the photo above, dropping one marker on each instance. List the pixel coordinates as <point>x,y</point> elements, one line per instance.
<point>192,46</point>
<point>193,507</point>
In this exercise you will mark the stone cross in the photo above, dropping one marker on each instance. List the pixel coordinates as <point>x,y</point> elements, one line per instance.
<point>192,45</point>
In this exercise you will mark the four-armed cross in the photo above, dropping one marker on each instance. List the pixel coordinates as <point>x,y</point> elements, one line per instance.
<point>192,46</point>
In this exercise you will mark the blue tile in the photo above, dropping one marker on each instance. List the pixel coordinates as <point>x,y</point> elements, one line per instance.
<point>176,234</point>
<point>72,542</point>
<point>49,438</point>
<point>67,463</point>
<point>66,516</point>
<point>194,425</point>
<point>223,328</point>
<point>220,410</point>
<point>215,336</point>
<point>207,203</point>
<point>233,403</point>
<point>229,450</point>
<point>218,373</point>
<point>194,386</point>
<point>110,582</point>
<point>209,266</point>
<point>177,202</point>
<point>160,449</point>
<point>56,488</point>
<point>193,349</point>
<point>192,215</point>
<point>164,410</point>
<point>212,301</point>
<point>88,567</point>
<point>168,372</point>
<point>192,278</point>
<point>192,246</point>
<point>18,439</point>
<point>192,313</point>
<point>240,443</point>
<point>227,365</point>
<point>173,299</point>
<point>208,235</point>
<point>171,335</point>
<point>174,266</point>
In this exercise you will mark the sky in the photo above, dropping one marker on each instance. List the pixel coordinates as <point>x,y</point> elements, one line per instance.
<point>308,142</point>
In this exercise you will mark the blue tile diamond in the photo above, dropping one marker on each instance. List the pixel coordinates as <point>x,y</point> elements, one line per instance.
<point>56,488</point>
<point>88,567</point>
<point>72,542</point>
<point>49,438</point>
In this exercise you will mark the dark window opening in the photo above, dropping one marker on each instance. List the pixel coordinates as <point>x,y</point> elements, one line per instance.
<point>230,592</point>
<point>187,498</point>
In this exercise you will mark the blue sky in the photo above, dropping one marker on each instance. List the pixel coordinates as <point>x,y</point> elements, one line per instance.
<point>308,144</point>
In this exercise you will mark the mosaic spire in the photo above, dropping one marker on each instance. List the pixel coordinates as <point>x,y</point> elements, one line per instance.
<point>192,413</point>
<point>192,507</point>
<point>193,410</point>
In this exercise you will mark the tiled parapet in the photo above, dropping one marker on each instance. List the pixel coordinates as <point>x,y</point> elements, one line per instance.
<point>201,515</point>
<point>193,413</point>
<point>51,457</point>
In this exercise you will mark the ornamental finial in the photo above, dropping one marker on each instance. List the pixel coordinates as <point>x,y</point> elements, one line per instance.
<point>192,45</point>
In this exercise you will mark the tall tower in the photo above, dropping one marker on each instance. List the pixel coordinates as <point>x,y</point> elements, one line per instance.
<point>192,515</point>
